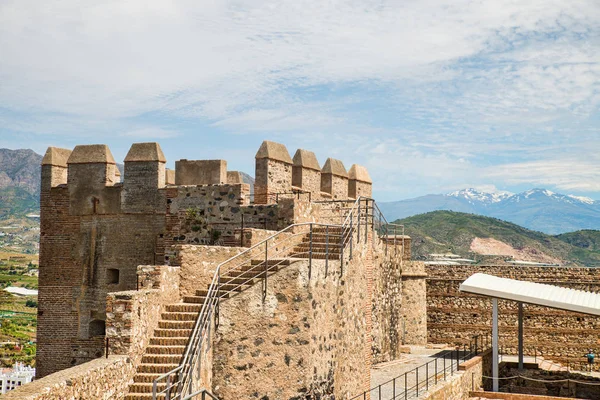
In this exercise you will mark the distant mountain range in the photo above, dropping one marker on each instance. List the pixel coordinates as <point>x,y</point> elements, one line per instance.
<point>477,237</point>
<point>536,209</point>
<point>19,182</point>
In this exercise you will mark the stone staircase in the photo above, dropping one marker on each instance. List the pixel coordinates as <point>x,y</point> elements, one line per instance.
<point>169,341</point>
<point>326,243</point>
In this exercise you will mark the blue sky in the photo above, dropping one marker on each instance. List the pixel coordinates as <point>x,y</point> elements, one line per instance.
<point>430,95</point>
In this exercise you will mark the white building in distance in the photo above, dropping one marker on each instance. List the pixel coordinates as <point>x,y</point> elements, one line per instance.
<point>19,375</point>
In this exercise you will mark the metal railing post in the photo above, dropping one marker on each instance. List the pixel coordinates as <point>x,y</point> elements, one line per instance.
<point>405,386</point>
<point>436,369</point>
<point>394,389</point>
<point>266,270</point>
<point>444,367</point>
<point>417,381</point>
<point>358,223</point>
<point>242,233</point>
<point>326,249</point>
<point>351,233</point>
<point>427,376</point>
<point>367,222</point>
<point>310,251</point>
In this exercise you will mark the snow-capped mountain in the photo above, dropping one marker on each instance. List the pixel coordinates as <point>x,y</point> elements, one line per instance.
<point>537,209</point>
<point>474,196</point>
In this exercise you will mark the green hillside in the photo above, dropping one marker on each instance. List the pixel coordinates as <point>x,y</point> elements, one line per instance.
<point>17,202</point>
<point>585,239</point>
<point>447,231</point>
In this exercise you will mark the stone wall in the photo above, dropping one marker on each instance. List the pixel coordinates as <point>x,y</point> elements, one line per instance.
<point>310,337</point>
<point>104,378</point>
<point>132,316</point>
<point>414,303</point>
<point>454,317</point>
<point>549,383</point>
<point>199,263</point>
<point>467,379</point>
<point>200,172</point>
<point>306,173</point>
<point>387,306</point>
<point>273,172</point>
<point>334,179</point>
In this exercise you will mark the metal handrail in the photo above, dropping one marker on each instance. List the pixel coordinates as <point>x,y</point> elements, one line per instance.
<point>400,387</point>
<point>205,393</point>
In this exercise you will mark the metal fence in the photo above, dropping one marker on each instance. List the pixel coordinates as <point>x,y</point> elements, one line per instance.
<point>417,381</point>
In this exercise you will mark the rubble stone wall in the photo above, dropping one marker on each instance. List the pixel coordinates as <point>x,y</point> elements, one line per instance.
<point>103,378</point>
<point>132,316</point>
<point>454,317</point>
<point>311,336</point>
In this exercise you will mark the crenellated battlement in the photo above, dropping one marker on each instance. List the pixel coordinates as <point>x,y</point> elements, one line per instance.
<point>95,184</point>
<point>98,226</point>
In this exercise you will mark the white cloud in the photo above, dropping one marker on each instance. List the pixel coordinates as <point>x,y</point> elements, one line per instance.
<point>569,174</point>
<point>448,88</point>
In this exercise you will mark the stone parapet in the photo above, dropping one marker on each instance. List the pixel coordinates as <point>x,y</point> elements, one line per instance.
<point>334,179</point>
<point>234,177</point>
<point>359,182</point>
<point>200,172</point>
<point>104,378</point>
<point>144,174</point>
<point>54,168</point>
<point>273,172</point>
<point>132,316</point>
<point>306,173</point>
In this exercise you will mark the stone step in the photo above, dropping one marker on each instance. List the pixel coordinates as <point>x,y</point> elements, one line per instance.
<point>317,256</point>
<point>145,378</point>
<point>194,299</point>
<point>166,324</point>
<point>238,280</point>
<point>278,262</point>
<point>165,332</point>
<point>156,368</point>
<point>255,273</point>
<point>164,349</point>
<point>317,247</point>
<point>161,359</point>
<point>324,229</point>
<point>143,396</point>
<point>184,307</point>
<point>169,341</point>
<point>318,238</point>
<point>179,316</point>
<point>145,387</point>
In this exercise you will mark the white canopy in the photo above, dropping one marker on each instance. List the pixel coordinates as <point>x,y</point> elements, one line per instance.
<point>533,293</point>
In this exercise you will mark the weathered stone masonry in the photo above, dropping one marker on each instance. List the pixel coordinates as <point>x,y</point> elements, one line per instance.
<point>103,243</point>
<point>454,317</point>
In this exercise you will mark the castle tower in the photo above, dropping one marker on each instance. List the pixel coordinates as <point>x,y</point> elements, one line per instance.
<point>273,172</point>
<point>359,182</point>
<point>91,168</point>
<point>144,175</point>
<point>334,179</point>
<point>54,168</point>
<point>306,172</point>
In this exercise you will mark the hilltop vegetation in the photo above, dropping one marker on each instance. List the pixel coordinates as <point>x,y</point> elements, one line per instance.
<point>447,231</point>
<point>585,239</point>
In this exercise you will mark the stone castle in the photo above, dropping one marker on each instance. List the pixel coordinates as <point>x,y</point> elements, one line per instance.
<point>313,285</point>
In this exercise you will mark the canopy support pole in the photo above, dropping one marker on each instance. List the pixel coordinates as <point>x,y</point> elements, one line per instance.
<point>495,344</point>
<point>520,336</point>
